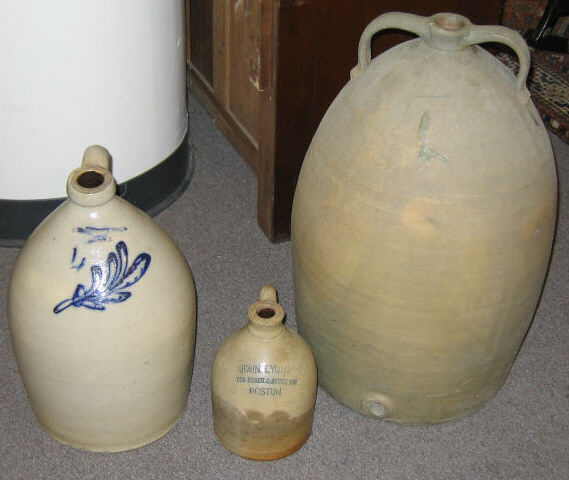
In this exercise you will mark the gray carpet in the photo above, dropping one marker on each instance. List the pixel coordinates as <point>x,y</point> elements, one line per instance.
<point>523,433</point>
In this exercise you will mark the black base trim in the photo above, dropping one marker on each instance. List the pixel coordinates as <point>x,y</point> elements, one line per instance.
<point>151,191</point>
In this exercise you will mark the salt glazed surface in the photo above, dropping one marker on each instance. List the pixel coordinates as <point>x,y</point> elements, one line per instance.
<point>101,305</point>
<point>263,385</point>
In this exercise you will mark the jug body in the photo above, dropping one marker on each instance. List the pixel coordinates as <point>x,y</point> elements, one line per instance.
<point>263,385</point>
<point>423,222</point>
<point>101,306</point>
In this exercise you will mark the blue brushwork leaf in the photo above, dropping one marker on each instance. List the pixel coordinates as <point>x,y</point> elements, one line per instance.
<point>114,272</point>
<point>137,270</point>
<point>109,284</point>
<point>96,278</point>
<point>63,305</point>
<point>79,291</point>
<point>118,297</point>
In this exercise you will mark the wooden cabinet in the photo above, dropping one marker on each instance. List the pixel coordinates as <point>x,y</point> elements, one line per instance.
<point>267,70</point>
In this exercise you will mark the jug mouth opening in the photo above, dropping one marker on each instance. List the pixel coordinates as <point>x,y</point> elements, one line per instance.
<point>266,319</point>
<point>90,186</point>
<point>90,179</point>
<point>449,21</point>
<point>266,312</point>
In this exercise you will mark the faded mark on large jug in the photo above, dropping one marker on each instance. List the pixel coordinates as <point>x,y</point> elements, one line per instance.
<point>426,151</point>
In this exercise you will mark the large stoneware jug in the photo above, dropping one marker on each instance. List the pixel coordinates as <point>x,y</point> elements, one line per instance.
<point>423,223</point>
<point>101,305</point>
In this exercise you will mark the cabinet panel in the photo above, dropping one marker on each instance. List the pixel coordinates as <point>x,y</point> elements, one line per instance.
<point>238,94</point>
<point>200,36</point>
<point>245,81</point>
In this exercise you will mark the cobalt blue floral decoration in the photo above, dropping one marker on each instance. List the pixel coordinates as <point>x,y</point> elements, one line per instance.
<point>109,285</point>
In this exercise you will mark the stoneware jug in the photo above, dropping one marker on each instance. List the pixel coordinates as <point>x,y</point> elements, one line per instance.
<point>101,305</point>
<point>423,222</point>
<point>263,385</point>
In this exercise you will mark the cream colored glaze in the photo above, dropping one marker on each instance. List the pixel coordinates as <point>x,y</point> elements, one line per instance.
<point>263,385</point>
<point>102,380</point>
<point>422,225</point>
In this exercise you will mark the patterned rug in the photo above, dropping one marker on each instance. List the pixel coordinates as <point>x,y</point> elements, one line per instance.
<point>548,79</point>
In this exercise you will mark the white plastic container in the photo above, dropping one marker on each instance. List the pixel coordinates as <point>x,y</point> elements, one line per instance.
<point>78,73</point>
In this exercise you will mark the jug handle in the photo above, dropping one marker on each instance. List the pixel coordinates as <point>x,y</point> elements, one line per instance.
<point>511,38</point>
<point>393,20</point>
<point>462,33</point>
<point>96,155</point>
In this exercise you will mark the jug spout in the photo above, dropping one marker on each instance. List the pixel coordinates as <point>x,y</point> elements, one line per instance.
<point>98,156</point>
<point>266,316</point>
<point>268,294</point>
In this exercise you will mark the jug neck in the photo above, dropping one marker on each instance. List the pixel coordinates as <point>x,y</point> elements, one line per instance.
<point>448,32</point>
<point>92,184</point>
<point>265,320</point>
<point>266,316</point>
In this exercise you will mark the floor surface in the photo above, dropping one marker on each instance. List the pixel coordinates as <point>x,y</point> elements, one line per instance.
<point>523,433</point>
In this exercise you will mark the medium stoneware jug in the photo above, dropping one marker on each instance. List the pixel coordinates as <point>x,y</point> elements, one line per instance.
<point>263,385</point>
<point>101,305</point>
<point>423,222</point>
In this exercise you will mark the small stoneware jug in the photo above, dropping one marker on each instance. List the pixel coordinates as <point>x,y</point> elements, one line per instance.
<point>101,305</point>
<point>263,385</point>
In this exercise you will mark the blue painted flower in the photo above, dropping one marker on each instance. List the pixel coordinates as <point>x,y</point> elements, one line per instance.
<point>111,284</point>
